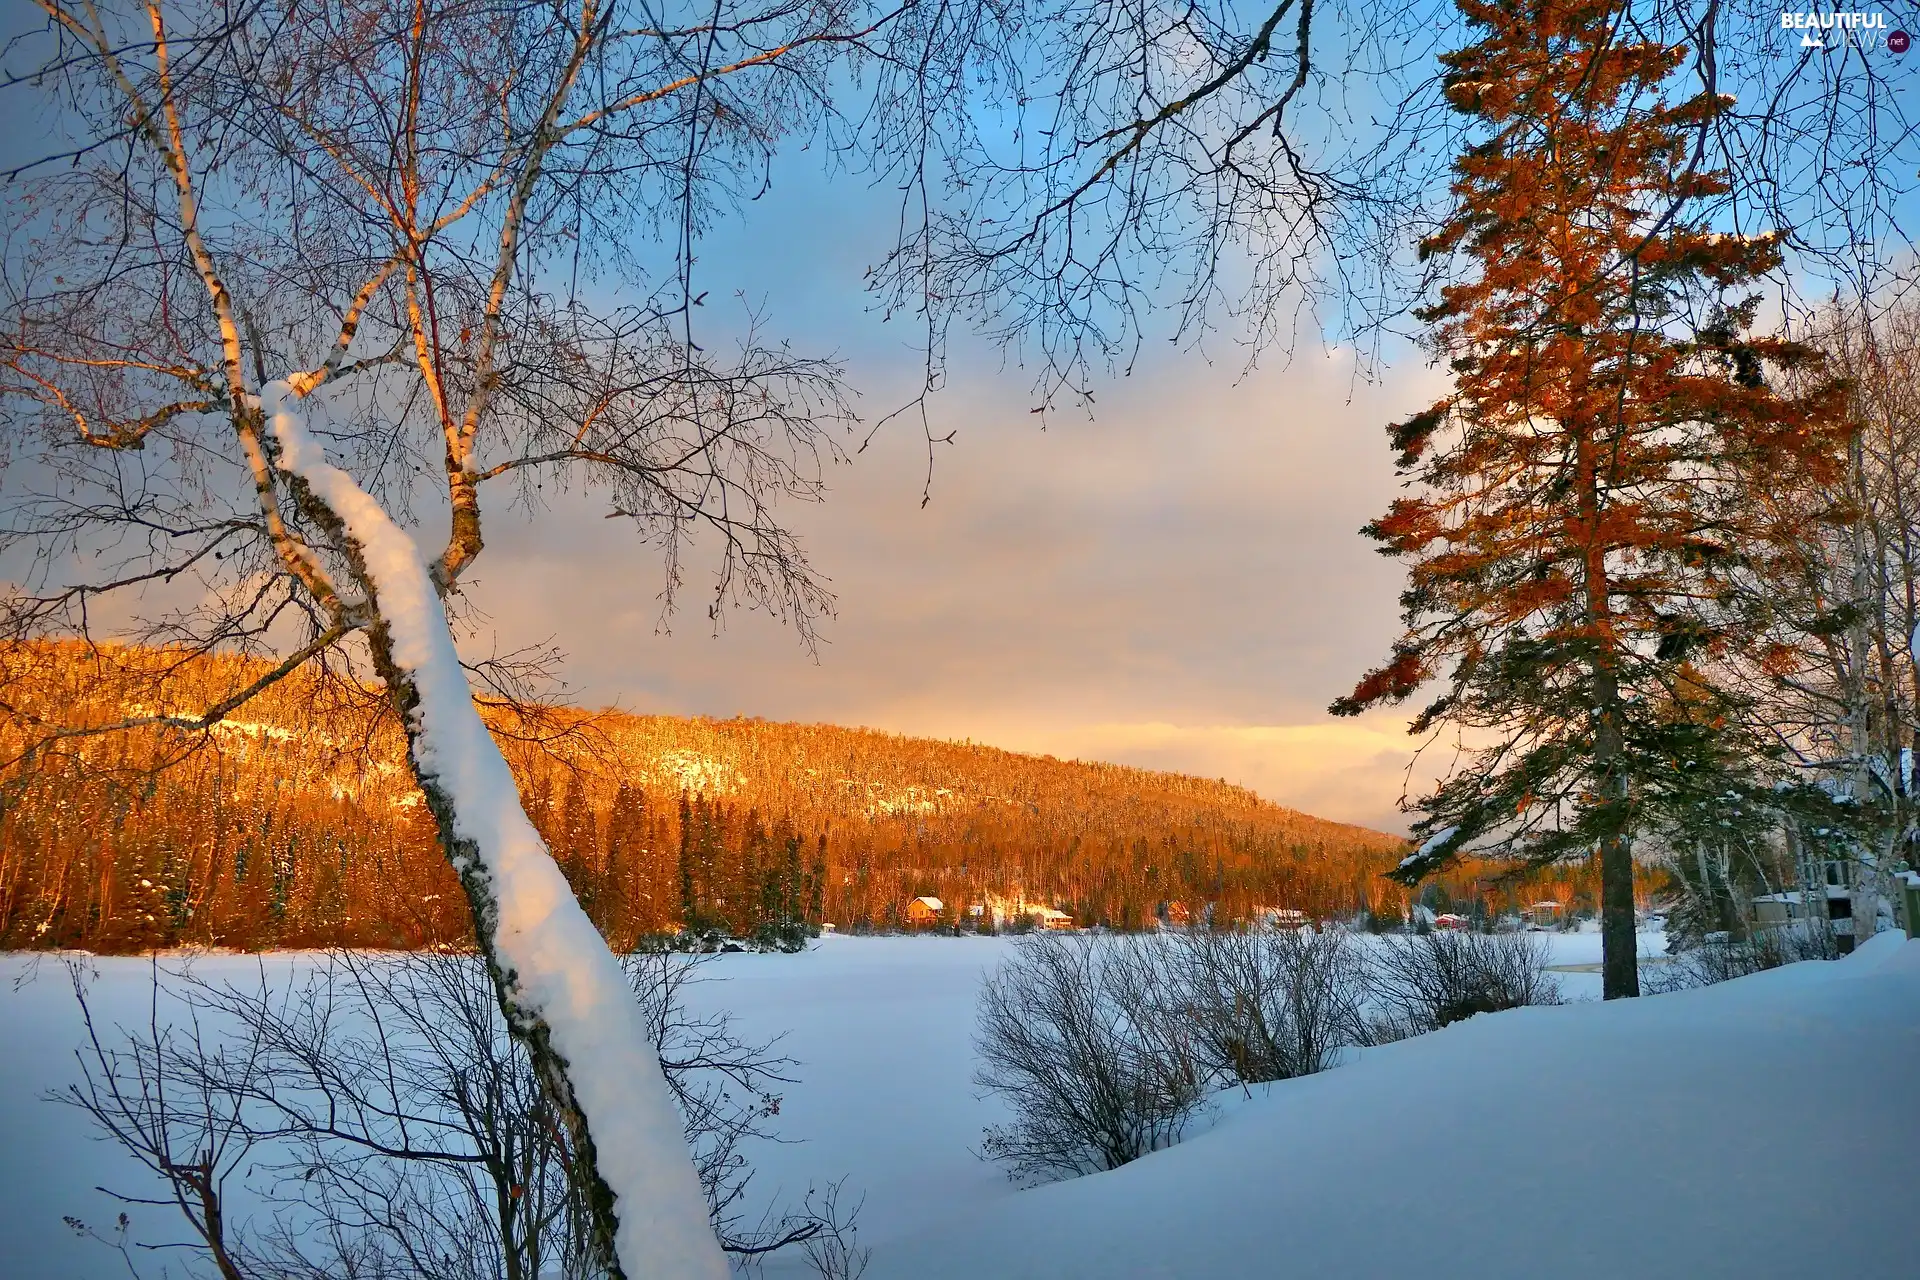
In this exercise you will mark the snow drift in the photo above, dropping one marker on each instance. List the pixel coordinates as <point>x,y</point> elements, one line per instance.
<point>1764,1127</point>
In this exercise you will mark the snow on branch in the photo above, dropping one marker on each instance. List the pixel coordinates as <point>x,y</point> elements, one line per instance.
<point>566,975</point>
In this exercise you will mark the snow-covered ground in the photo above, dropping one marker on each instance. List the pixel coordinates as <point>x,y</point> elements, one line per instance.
<point>1761,1128</point>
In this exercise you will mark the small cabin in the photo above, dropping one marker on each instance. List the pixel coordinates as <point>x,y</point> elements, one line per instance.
<point>1544,914</point>
<point>1048,918</point>
<point>1449,920</point>
<point>924,911</point>
<point>1280,918</point>
<point>1773,910</point>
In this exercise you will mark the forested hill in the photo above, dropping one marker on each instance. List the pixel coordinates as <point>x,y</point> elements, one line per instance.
<point>295,823</point>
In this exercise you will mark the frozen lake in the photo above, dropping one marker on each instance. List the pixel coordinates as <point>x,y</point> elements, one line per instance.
<point>881,1028</point>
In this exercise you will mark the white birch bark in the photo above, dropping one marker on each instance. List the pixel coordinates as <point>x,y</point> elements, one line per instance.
<point>554,960</point>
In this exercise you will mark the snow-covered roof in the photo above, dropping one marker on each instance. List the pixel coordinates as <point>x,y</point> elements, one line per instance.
<point>1793,895</point>
<point>931,903</point>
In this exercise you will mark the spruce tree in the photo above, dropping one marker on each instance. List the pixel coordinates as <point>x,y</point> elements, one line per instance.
<point>630,911</point>
<point>689,893</point>
<point>1575,501</point>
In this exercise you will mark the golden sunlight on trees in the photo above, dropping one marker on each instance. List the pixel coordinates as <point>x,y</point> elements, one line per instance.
<point>298,826</point>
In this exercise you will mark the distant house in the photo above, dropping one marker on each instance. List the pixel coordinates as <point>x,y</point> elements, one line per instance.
<point>1771,910</point>
<point>1544,914</point>
<point>1448,920</point>
<point>1017,909</point>
<point>924,911</point>
<point>1280,918</point>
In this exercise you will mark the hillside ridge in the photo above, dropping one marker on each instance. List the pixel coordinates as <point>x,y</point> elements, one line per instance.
<point>296,823</point>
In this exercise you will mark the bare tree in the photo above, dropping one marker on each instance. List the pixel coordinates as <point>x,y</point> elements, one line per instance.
<point>835,1252</point>
<point>1274,165</point>
<point>377,1119</point>
<point>191,1144</point>
<point>308,267</point>
<point>1838,683</point>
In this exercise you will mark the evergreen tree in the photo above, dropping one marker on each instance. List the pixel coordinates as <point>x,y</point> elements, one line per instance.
<point>576,846</point>
<point>750,901</point>
<point>629,909</point>
<point>1577,500</point>
<point>817,883</point>
<point>689,894</point>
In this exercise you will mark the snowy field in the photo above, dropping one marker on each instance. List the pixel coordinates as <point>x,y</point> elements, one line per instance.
<point>1762,1128</point>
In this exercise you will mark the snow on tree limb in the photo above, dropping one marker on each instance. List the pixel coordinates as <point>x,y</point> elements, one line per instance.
<point>556,958</point>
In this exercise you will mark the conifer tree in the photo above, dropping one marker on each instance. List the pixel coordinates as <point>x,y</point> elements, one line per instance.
<point>689,892</point>
<point>630,910</point>
<point>1576,502</point>
<point>575,846</point>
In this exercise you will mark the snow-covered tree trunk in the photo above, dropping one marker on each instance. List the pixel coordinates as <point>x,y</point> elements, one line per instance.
<point>560,987</point>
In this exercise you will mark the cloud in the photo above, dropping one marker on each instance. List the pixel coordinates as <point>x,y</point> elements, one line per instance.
<point>1347,770</point>
<point>1176,583</point>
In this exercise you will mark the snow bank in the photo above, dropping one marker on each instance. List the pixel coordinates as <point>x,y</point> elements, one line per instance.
<point>1743,1114</point>
<point>1706,1133</point>
<point>564,967</point>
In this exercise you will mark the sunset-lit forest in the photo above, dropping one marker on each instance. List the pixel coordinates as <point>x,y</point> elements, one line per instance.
<point>295,824</point>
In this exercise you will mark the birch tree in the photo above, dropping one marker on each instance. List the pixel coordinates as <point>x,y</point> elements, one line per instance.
<point>1838,604</point>
<point>307,281</point>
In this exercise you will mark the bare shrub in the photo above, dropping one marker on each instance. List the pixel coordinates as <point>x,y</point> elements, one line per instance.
<point>390,1126</point>
<point>1423,982</point>
<point>1105,1045</point>
<point>1269,1004</point>
<point>1722,961</point>
<point>835,1252</point>
<point>1074,1033</point>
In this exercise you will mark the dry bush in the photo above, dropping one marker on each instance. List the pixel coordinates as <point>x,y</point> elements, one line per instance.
<point>1073,1033</point>
<point>1712,962</point>
<point>1269,1004</point>
<point>1106,1044</point>
<point>388,1126</point>
<point>1423,982</point>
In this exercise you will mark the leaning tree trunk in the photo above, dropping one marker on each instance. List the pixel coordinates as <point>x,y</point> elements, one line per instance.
<point>564,995</point>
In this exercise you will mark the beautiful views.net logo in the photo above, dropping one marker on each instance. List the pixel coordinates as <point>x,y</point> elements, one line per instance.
<point>1834,29</point>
